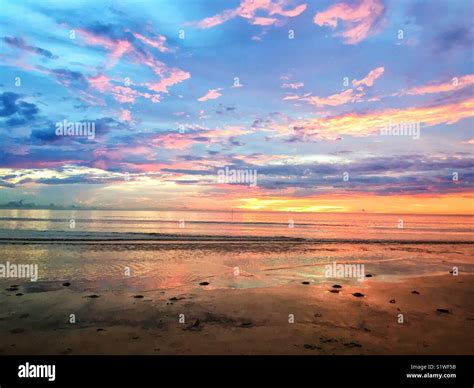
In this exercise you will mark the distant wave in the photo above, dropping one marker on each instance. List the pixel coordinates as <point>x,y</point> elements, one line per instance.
<point>80,237</point>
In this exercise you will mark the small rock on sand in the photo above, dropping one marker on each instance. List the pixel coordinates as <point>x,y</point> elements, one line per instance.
<point>352,345</point>
<point>19,294</point>
<point>358,294</point>
<point>369,275</point>
<point>93,296</point>
<point>312,347</point>
<point>138,296</point>
<point>336,286</point>
<point>305,283</point>
<point>204,283</point>
<point>66,284</point>
<point>443,311</point>
<point>334,291</point>
<point>194,326</point>
<point>415,292</point>
<point>392,301</point>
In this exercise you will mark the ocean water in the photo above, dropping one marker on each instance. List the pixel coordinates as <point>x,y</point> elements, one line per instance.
<point>149,250</point>
<point>319,226</point>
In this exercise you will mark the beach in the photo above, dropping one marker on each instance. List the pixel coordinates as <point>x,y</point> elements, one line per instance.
<point>245,321</point>
<point>136,290</point>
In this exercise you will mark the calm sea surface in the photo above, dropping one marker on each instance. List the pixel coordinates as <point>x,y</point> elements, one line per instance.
<point>148,250</point>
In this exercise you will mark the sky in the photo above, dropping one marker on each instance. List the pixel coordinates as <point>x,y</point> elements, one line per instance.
<point>283,105</point>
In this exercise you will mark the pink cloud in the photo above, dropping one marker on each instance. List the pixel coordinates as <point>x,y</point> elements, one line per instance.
<point>370,78</point>
<point>347,96</point>
<point>170,77</point>
<point>118,48</point>
<point>248,10</point>
<point>262,21</point>
<point>358,20</point>
<point>125,115</point>
<point>296,85</point>
<point>99,82</point>
<point>212,94</point>
<point>159,43</point>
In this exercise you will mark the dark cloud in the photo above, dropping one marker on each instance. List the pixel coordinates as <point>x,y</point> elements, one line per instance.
<point>18,112</point>
<point>69,78</point>
<point>20,43</point>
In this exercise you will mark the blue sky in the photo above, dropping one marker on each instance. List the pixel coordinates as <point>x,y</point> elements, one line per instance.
<point>297,90</point>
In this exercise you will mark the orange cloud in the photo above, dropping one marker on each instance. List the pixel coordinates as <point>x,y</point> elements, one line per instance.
<point>371,203</point>
<point>358,20</point>
<point>355,124</point>
<point>455,84</point>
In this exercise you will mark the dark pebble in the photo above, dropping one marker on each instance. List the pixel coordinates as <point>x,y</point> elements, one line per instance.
<point>312,347</point>
<point>358,294</point>
<point>67,284</point>
<point>204,283</point>
<point>19,294</point>
<point>194,326</point>
<point>353,345</point>
<point>92,296</point>
<point>444,311</point>
<point>415,292</point>
<point>100,329</point>
<point>138,296</point>
<point>305,283</point>
<point>336,286</point>
<point>334,291</point>
<point>368,275</point>
<point>392,301</point>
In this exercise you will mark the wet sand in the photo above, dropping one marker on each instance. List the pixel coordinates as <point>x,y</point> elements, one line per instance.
<point>243,321</point>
